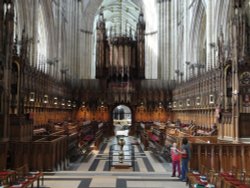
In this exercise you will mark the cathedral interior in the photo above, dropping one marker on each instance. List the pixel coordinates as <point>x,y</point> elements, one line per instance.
<point>78,78</point>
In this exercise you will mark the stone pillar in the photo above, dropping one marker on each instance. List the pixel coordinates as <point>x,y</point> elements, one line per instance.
<point>186,31</point>
<point>159,39</point>
<point>235,79</point>
<point>35,33</point>
<point>174,39</point>
<point>8,47</point>
<point>209,32</point>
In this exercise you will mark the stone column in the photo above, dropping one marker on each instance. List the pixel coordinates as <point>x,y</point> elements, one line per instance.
<point>35,34</point>
<point>209,31</point>
<point>174,39</point>
<point>160,38</point>
<point>186,31</point>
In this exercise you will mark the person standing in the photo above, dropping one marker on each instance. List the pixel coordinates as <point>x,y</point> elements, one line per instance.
<point>175,155</point>
<point>185,157</point>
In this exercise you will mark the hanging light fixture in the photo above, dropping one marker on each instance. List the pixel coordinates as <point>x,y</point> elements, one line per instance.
<point>74,104</point>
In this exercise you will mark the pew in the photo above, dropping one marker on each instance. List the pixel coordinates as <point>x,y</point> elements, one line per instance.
<point>99,135</point>
<point>228,160</point>
<point>72,150</point>
<point>49,153</point>
<point>156,140</point>
<point>218,157</point>
<point>86,137</point>
<point>143,135</point>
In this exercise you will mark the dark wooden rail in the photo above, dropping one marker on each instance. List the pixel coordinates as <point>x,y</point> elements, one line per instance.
<point>220,156</point>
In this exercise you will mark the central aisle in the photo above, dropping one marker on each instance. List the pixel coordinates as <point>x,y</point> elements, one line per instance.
<point>94,172</point>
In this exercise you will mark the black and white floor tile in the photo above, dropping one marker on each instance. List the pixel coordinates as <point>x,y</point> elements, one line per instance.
<point>95,171</point>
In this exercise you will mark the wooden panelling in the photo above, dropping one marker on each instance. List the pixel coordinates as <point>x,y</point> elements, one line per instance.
<point>220,157</point>
<point>49,153</point>
<point>19,153</point>
<point>20,128</point>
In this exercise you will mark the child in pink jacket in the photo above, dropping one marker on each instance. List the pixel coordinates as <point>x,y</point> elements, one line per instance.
<point>175,155</point>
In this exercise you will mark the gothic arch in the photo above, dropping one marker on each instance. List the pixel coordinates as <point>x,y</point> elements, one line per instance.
<point>221,15</point>
<point>198,32</point>
<point>227,10</point>
<point>25,20</point>
<point>48,21</point>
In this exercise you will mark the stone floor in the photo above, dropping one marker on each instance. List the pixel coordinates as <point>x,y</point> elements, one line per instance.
<point>96,172</point>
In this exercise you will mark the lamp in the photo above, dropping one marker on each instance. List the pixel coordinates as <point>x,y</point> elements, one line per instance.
<point>83,107</point>
<point>55,100</point>
<point>69,103</point>
<point>211,99</point>
<point>160,105</point>
<point>45,99</point>
<point>169,105</point>
<point>32,97</point>
<point>198,101</point>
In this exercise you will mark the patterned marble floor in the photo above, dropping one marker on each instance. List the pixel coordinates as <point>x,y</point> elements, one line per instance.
<point>95,171</point>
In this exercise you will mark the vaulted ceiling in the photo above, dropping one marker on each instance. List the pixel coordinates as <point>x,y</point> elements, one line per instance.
<point>61,29</point>
<point>63,32</point>
<point>121,15</point>
<point>117,13</point>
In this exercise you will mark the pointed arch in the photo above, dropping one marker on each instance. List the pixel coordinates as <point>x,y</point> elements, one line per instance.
<point>198,33</point>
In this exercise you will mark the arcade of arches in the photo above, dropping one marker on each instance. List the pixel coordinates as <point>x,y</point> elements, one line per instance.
<point>77,74</point>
